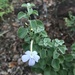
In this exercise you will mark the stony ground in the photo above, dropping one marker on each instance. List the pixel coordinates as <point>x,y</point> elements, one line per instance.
<point>11,46</point>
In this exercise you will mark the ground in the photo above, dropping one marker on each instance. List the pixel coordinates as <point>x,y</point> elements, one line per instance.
<point>51,14</point>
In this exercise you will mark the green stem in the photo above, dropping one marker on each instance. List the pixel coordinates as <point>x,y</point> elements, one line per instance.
<point>31,45</point>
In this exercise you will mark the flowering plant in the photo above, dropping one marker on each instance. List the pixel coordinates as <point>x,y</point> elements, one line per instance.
<point>52,53</point>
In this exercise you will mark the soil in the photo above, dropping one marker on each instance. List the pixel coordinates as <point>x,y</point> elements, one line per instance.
<point>51,14</point>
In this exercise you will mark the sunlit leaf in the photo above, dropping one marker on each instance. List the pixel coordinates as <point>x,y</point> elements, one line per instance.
<point>22,15</point>
<point>36,25</point>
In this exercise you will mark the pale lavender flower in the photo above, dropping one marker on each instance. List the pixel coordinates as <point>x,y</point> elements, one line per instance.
<point>31,57</point>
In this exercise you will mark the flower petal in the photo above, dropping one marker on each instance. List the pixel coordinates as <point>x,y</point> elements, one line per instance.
<point>28,52</point>
<point>25,58</point>
<point>34,53</point>
<point>31,62</point>
<point>36,58</point>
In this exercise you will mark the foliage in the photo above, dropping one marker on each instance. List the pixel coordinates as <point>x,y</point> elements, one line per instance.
<point>5,7</point>
<point>70,22</point>
<point>53,57</point>
<point>73,50</point>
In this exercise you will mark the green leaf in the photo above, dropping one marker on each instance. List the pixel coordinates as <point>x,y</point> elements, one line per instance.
<point>43,53</point>
<point>37,48</point>
<point>58,42</point>
<point>47,72</point>
<point>73,50</point>
<point>42,64</point>
<point>73,47</point>
<point>41,42</point>
<point>68,57</point>
<point>55,54</point>
<point>43,34</point>
<point>1,13</point>
<point>55,64</point>
<point>26,46</point>
<point>70,72</point>
<point>62,72</point>
<point>35,12</point>
<point>22,15</point>
<point>38,39</point>
<point>27,38</point>
<point>29,5</point>
<point>70,15</point>
<point>68,22</point>
<point>73,56</point>
<point>68,65</point>
<point>50,52</point>
<point>22,32</point>
<point>47,42</point>
<point>0,8</point>
<point>30,11</point>
<point>37,70</point>
<point>53,73</point>
<point>29,8</point>
<point>32,4</point>
<point>24,5</point>
<point>36,25</point>
<point>62,49</point>
<point>74,71</point>
<point>61,59</point>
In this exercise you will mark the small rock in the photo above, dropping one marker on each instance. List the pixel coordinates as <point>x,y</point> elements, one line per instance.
<point>3,73</point>
<point>9,70</point>
<point>15,58</point>
<point>20,61</point>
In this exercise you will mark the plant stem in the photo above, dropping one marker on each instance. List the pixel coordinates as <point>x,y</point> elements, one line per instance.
<point>31,45</point>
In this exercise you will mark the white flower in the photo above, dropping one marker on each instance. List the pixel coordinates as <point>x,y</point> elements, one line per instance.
<point>31,57</point>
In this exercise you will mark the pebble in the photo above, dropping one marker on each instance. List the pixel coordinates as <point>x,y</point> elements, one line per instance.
<point>9,70</point>
<point>3,73</point>
<point>20,61</point>
<point>15,57</point>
